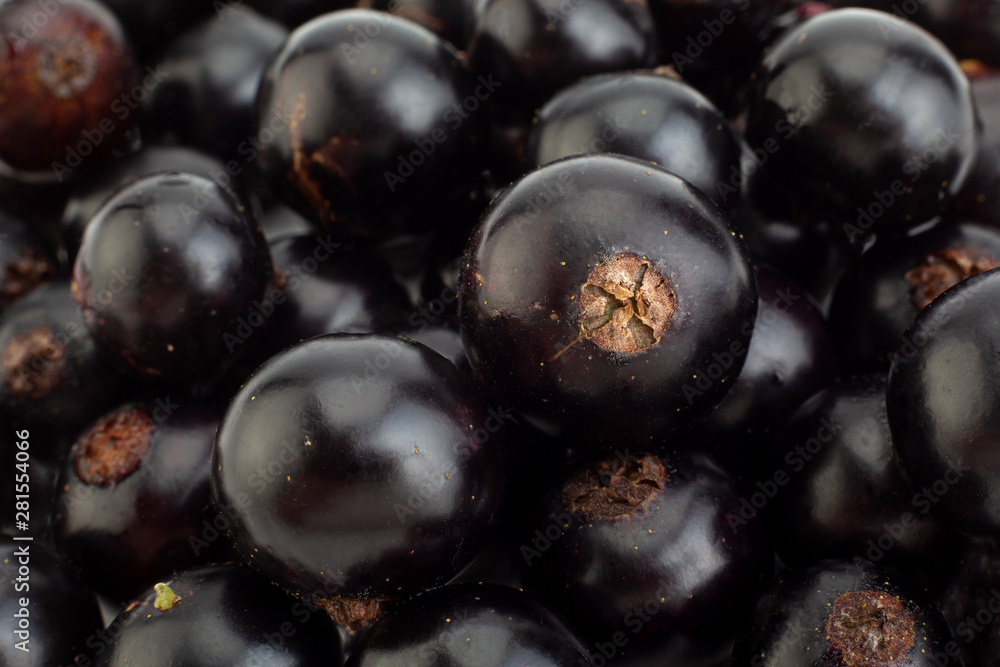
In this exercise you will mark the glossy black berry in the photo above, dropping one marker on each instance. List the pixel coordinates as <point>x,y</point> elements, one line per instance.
<point>832,107</point>
<point>47,618</point>
<point>647,116</point>
<point>536,47</point>
<point>134,497</point>
<point>790,357</point>
<point>642,553</point>
<point>844,614</point>
<point>834,489</point>
<point>943,384</point>
<point>53,381</point>
<point>470,625</point>
<point>220,615</point>
<point>166,267</point>
<point>596,294</point>
<point>215,69</point>
<point>98,185</point>
<point>67,75</point>
<point>878,297</point>
<point>371,124</point>
<point>359,469</point>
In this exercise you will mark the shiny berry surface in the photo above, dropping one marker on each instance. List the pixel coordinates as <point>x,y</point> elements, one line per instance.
<point>220,615</point>
<point>943,389</point>
<point>359,469</point>
<point>647,116</point>
<point>134,495</point>
<point>374,123</point>
<point>832,106</point>
<point>603,286</point>
<point>470,625</point>
<point>166,267</point>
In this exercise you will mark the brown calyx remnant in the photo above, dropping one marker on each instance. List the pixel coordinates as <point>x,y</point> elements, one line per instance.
<point>353,614</point>
<point>615,489</point>
<point>870,629</point>
<point>943,270</point>
<point>25,273</point>
<point>113,449</point>
<point>625,305</point>
<point>67,66</point>
<point>33,363</point>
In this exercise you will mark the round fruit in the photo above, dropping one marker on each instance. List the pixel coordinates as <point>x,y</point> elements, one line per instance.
<point>134,501</point>
<point>166,267</point>
<point>839,492</point>
<point>533,48</point>
<point>832,111</point>
<point>605,291</point>
<point>46,617</point>
<point>878,297</point>
<point>371,123</point>
<point>71,77</point>
<point>470,625</point>
<point>847,614</point>
<point>359,469</point>
<point>220,615</point>
<point>652,117</point>
<point>944,385</point>
<point>652,549</point>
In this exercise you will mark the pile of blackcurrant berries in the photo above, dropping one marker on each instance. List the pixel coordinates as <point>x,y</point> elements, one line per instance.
<point>500,333</point>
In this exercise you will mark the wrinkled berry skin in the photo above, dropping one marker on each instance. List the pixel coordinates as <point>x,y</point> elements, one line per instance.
<point>166,268</point>
<point>637,573</point>
<point>944,385</point>
<point>878,297</point>
<point>521,290</point>
<point>359,468</point>
<point>788,626</point>
<point>53,380</point>
<point>25,260</point>
<point>67,78</point>
<point>225,615</point>
<point>365,125</point>
<point>839,130</point>
<point>454,625</point>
